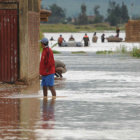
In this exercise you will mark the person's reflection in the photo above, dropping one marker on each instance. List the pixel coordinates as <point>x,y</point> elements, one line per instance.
<point>48,113</point>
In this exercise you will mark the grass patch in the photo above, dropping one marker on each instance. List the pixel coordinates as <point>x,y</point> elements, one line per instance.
<point>56,52</point>
<point>104,52</point>
<point>78,52</point>
<point>54,45</point>
<point>57,28</point>
<point>122,49</point>
<point>135,52</point>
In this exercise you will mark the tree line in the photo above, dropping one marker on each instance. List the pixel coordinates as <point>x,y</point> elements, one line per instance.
<point>116,14</point>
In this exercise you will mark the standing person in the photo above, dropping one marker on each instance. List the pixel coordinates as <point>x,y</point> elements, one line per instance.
<point>117,31</point>
<point>86,40</point>
<point>103,37</point>
<point>94,38</point>
<point>60,40</point>
<point>47,68</point>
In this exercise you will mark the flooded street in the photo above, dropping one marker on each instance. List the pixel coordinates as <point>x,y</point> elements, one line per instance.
<point>98,99</point>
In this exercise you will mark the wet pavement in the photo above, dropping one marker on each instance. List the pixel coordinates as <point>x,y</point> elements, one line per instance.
<point>98,99</point>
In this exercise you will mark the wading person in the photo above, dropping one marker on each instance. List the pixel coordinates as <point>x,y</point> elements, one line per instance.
<point>47,68</point>
<point>117,31</point>
<point>103,38</point>
<point>94,38</point>
<point>71,38</point>
<point>86,40</point>
<point>60,40</point>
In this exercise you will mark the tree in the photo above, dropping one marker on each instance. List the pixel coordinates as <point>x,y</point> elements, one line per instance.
<point>58,14</point>
<point>98,16</point>
<point>117,14</point>
<point>82,18</point>
<point>124,13</point>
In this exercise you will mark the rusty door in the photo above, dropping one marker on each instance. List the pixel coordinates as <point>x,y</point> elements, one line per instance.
<point>8,45</point>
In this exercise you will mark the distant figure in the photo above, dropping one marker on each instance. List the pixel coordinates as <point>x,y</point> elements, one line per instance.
<point>60,68</point>
<point>71,38</point>
<point>86,40</point>
<point>103,37</point>
<point>117,31</point>
<point>51,39</point>
<point>60,40</point>
<point>94,38</point>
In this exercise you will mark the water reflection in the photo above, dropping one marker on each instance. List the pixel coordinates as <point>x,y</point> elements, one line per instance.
<point>48,113</point>
<point>9,117</point>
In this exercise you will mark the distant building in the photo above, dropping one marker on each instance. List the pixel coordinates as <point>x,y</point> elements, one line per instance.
<point>90,18</point>
<point>132,30</point>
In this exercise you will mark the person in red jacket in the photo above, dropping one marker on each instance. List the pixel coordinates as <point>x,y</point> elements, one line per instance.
<point>60,40</point>
<point>47,68</point>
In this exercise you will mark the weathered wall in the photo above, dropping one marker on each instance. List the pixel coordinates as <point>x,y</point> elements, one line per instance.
<point>132,30</point>
<point>29,24</point>
<point>29,36</point>
<point>33,38</point>
<point>23,39</point>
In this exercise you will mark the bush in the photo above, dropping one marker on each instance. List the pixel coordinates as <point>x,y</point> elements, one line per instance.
<point>135,52</point>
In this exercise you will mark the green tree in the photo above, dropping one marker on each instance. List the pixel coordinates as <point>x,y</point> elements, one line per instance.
<point>117,14</point>
<point>124,13</point>
<point>82,18</point>
<point>58,14</point>
<point>113,11</point>
<point>98,17</point>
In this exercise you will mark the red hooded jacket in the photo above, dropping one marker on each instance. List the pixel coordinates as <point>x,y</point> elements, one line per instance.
<point>47,63</point>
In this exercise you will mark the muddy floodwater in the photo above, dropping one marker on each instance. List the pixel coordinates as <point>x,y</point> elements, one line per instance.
<point>98,99</point>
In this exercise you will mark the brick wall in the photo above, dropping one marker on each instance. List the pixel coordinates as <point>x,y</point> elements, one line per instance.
<point>132,30</point>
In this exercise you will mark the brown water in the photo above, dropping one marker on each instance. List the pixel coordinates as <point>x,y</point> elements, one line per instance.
<point>98,99</point>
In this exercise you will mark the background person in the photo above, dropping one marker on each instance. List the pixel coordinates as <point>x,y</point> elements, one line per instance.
<point>94,38</point>
<point>60,68</point>
<point>51,39</point>
<point>71,38</point>
<point>117,31</point>
<point>60,40</point>
<point>86,40</point>
<point>103,38</point>
<point>47,68</point>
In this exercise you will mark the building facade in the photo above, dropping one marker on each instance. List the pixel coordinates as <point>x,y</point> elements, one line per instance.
<point>19,40</point>
<point>132,30</point>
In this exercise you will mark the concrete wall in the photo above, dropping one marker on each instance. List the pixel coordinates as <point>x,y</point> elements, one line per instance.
<point>29,37</point>
<point>132,30</point>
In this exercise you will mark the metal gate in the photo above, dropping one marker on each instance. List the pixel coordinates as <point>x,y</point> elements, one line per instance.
<point>9,42</point>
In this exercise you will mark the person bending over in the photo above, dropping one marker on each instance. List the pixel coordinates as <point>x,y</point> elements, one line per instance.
<point>60,68</point>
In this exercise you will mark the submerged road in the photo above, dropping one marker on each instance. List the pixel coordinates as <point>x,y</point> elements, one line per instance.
<point>98,99</point>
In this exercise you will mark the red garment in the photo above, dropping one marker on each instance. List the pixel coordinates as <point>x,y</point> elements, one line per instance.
<point>47,64</point>
<point>60,39</point>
